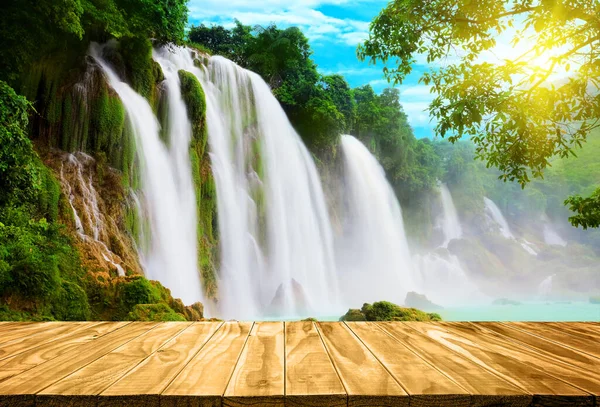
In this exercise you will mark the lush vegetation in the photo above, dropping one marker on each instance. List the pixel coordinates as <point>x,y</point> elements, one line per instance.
<point>321,107</point>
<point>520,112</point>
<point>386,311</point>
<point>45,272</point>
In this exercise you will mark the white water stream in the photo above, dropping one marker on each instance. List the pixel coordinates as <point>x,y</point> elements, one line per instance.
<point>497,217</point>
<point>276,238</point>
<point>374,257</point>
<point>168,194</point>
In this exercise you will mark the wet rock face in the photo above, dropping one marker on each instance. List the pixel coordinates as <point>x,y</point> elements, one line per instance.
<point>420,301</point>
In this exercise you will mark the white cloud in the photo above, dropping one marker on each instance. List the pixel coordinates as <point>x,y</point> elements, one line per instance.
<point>301,13</point>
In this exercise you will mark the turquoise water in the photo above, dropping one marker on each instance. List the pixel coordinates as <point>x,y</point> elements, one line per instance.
<point>530,311</point>
<point>535,311</point>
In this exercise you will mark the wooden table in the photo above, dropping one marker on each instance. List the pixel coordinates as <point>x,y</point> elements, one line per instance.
<point>299,364</point>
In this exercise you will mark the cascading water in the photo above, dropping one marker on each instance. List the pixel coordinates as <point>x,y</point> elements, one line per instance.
<point>275,233</point>
<point>545,287</point>
<point>167,191</point>
<point>497,217</point>
<point>441,277</point>
<point>81,193</point>
<point>450,222</point>
<point>373,257</point>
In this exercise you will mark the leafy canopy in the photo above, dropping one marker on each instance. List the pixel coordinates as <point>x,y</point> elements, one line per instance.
<point>520,112</point>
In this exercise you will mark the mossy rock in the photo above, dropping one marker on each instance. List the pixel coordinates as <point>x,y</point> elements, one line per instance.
<point>353,315</point>
<point>387,311</point>
<point>154,312</point>
<point>71,303</point>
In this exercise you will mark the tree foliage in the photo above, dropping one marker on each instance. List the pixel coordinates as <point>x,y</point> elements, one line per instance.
<point>31,29</point>
<point>521,112</point>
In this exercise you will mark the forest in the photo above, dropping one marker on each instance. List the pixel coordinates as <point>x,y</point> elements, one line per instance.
<point>74,244</point>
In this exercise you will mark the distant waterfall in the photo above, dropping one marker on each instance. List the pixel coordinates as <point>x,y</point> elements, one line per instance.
<point>551,236</point>
<point>168,194</point>
<point>545,287</point>
<point>373,258</point>
<point>496,215</point>
<point>450,222</point>
<point>276,239</point>
<point>440,275</point>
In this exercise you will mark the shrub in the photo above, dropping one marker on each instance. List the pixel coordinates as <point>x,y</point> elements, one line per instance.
<point>386,311</point>
<point>154,312</point>
<point>70,303</point>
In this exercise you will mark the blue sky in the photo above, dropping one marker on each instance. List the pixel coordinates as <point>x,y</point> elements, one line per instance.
<point>334,28</point>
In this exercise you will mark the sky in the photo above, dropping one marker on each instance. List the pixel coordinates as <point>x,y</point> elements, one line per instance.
<point>334,29</point>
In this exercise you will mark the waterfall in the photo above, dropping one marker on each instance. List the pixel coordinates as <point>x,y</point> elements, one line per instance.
<point>440,276</point>
<point>496,215</point>
<point>276,238</point>
<point>450,222</point>
<point>168,194</point>
<point>373,257</point>
<point>545,287</point>
<point>81,193</point>
<point>552,237</point>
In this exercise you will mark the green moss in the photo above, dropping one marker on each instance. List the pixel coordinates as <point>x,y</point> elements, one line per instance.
<point>204,183</point>
<point>154,312</point>
<point>386,311</point>
<point>139,291</point>
<point>109,118</point>
<point>70,303</point>
<point>49,195</point>
<point>195,101</point>
<point>143,73</point>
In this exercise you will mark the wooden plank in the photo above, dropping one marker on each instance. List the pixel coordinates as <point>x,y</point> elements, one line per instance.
<point>425,385</point>
<point>485,388</point>
<point>258,378</point>
<point>142,385</point>
<point>18,331</point>
<point>580,342</point>
<point>203,381</point>
<point>17,364</point>
<point>310,378</point>
<point>519,365</point>
<point>546,347</point>
<point>365,379</point>
<point>85,384</point>
<point>576,328</point>
<point>54,332</point>
<point>21,388</point>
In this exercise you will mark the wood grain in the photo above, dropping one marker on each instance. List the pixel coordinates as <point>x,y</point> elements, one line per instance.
<point>365,379</point>
<point>155,364</point>
<point>522,366</point>
<point>38,378</point>
<point>204,380</point>
<point>17,364</point>
<point>258,378</point>
<point>142,385</point>
<point>546,347</point>
<point>310,378</point>
<point>485,387</point>
<point>582,343</point>
<point>425,385</point>
<point>10,334</point>
<point>52,333</point>
<point>579,329</point>
<point>93,378</point>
